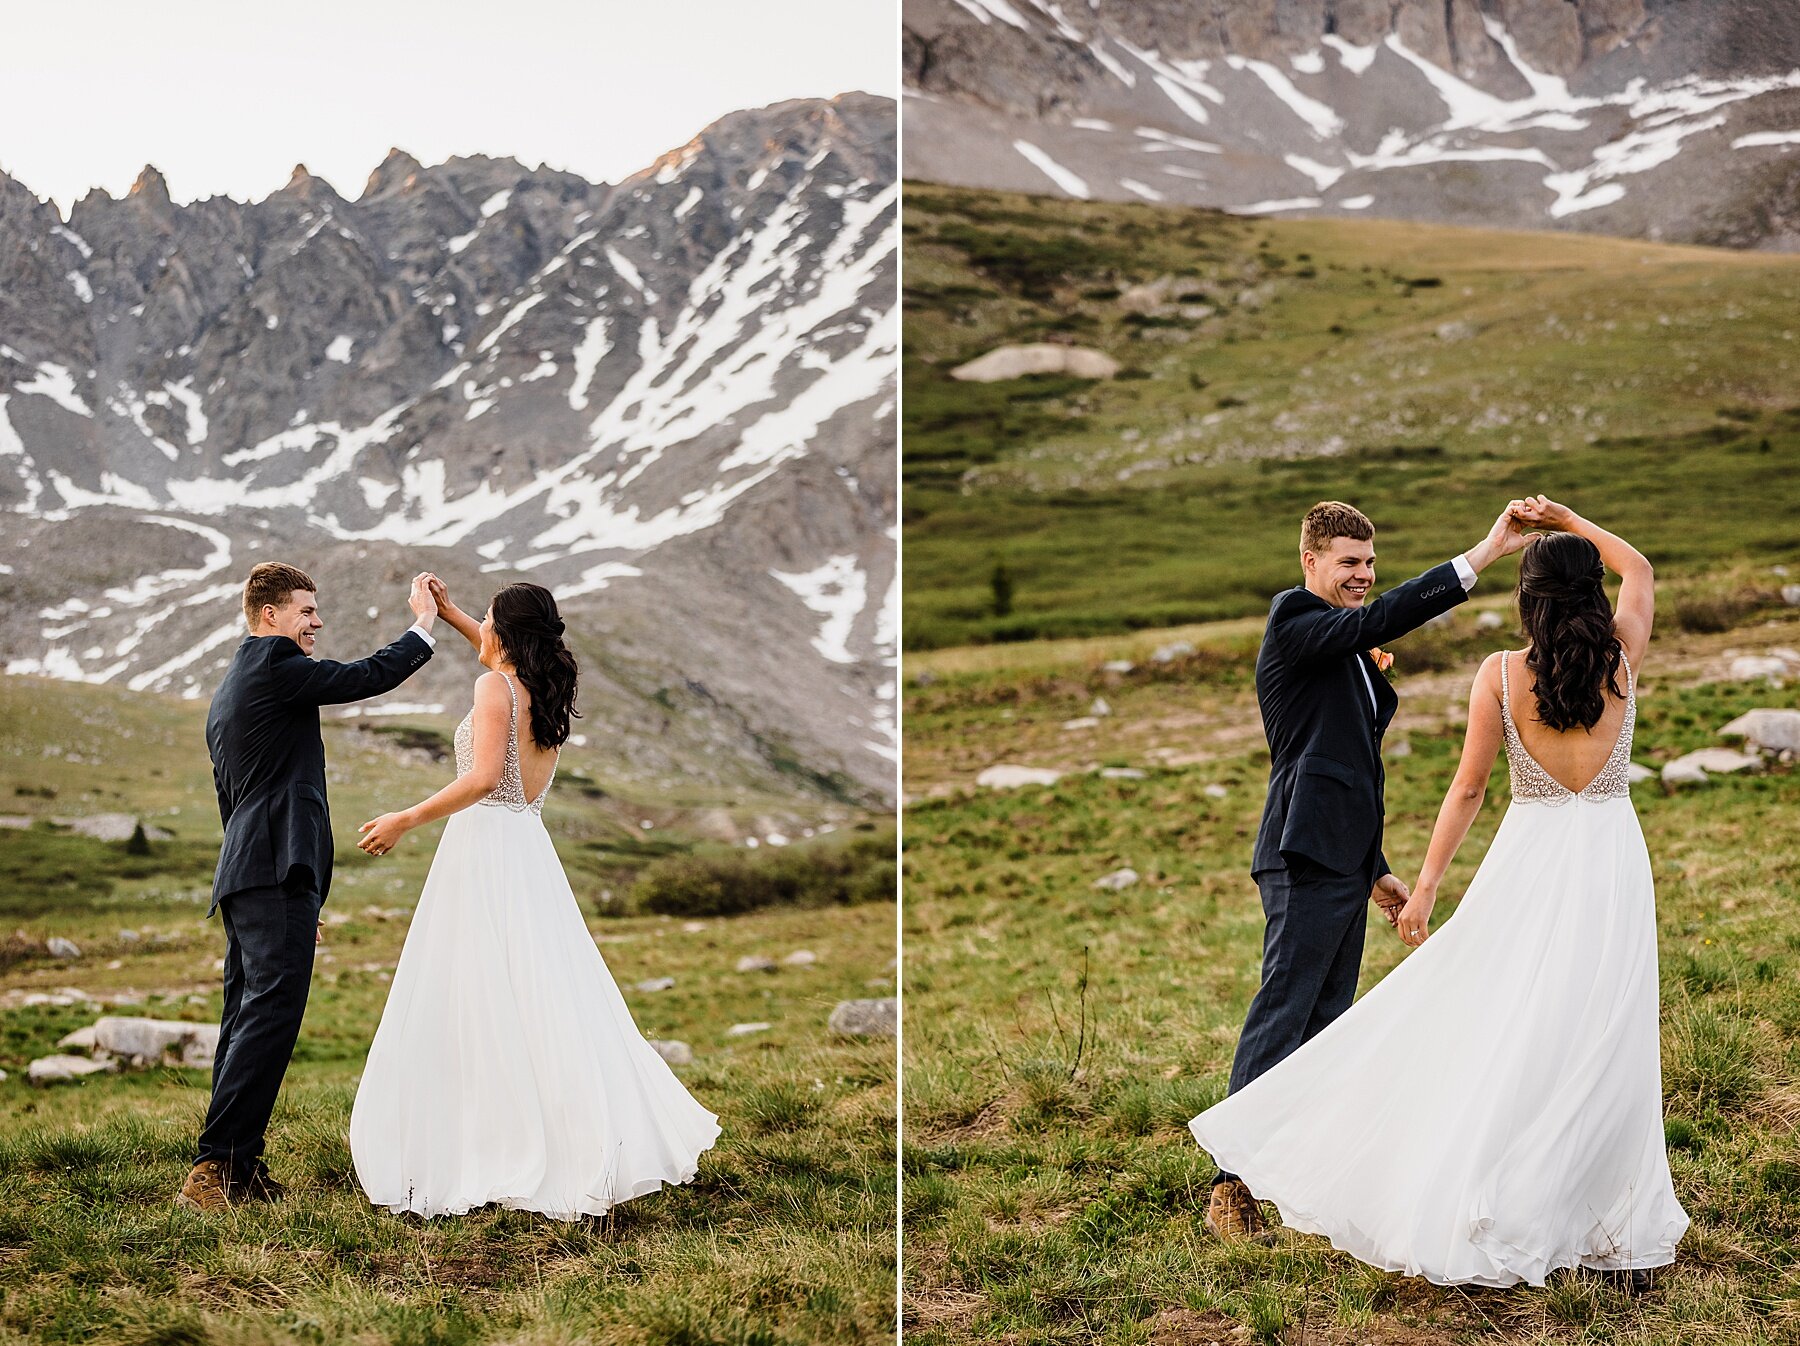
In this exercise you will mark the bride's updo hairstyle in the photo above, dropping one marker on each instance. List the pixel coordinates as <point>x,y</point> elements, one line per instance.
<point>531,632</point>
<point>1563,609</point>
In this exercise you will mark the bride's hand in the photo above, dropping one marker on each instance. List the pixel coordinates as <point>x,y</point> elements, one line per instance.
<point>380,835</point>
<point>1414,923</point>
<point>1540,511</point>
<point>439,593</point>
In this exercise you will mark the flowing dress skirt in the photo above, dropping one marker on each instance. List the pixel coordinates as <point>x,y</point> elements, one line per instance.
<point>507,1068</point>
<point>1492,1109</point>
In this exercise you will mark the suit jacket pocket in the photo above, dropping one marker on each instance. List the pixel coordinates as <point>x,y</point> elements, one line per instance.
<point>1333,814</point>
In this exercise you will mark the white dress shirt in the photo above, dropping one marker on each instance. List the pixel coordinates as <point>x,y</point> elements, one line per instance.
<point>1464,572</point>
<point>427,637</point>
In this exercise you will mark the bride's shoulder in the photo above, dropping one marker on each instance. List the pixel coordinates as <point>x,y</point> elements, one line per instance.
<point>490,690</point>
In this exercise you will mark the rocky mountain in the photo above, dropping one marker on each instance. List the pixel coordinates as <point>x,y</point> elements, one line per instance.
<point>1665,119</point>
<point>668,399</point>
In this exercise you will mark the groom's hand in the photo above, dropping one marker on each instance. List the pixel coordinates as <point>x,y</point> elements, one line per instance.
<point>439,593</point>
<point>1390,894</point>
<point>1504,538</point>
<point>422,603</point>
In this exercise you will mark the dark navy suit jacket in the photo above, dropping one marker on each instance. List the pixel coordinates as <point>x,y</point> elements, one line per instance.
<point>269,758</point>
<point>1326,784</point>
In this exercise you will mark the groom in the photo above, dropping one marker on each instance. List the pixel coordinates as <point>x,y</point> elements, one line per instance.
<point>1325,706</point>
<point>275,866</point>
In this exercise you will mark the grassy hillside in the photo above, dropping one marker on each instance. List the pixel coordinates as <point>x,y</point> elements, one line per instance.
<point>786,1235</point>
<point>1059,1035</point>
<point>1424,373</point>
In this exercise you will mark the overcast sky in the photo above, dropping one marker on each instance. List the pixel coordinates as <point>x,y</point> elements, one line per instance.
<point>226,96</point>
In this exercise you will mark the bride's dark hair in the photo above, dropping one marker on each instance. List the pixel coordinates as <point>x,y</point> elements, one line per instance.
<point>531,632</point>
<point>1574,654</point>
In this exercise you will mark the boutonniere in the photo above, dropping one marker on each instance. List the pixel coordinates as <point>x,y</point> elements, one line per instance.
<point>1383,660</point>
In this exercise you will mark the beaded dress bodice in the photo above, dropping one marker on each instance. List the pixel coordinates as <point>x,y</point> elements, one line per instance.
<point>1532,784</point>
<point>510,792</point>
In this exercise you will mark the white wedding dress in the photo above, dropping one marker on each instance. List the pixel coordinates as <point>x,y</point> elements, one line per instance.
<point>1491,1111</point>
<point>507,1068</point>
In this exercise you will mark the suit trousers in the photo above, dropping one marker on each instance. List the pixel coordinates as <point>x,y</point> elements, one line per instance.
<point>269,941</point>
<point>1312,952</point>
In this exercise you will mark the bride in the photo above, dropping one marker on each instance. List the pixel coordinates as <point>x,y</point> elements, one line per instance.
<point>1491,1111</point>
<point>507,1068</point>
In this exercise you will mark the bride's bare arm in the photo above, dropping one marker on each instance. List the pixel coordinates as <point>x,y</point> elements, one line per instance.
<point>493,720</point>
<point>1636,607</point>
<point>1481,745</point>
<point>467,626</point>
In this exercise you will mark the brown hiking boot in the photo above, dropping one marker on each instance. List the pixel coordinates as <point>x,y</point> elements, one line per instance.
<point>207,1188</point>
<point>1232,1214</point>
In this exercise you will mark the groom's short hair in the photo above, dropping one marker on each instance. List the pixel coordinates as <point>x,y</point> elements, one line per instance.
<point>272,582</point>
<point>1333,518</point>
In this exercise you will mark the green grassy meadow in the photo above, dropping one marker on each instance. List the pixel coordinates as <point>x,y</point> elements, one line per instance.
<point>786,1235</point>
<point>1426,374</point>
<point>1059,1035</point>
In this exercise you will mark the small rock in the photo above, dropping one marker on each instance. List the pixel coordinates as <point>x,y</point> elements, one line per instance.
<point>81,1040</point>
<point>129,937</point>
<point>1014,362</point>
<point>115,964</point>
<point>1215,791</point>
<point>1682,772</point>
<point>692,927</point>
<point>743,1030</point>
<point>1723,761</point>
<point>1455,331</point>
<point>1122,773</point>
<point>1749,667</point>
<point>1790,594</point>
<point>58,1069</point>
<point>1490,621</point>
<point>1118,666</point>
<point>1636,774</point>
<point>865,1018</point>
<point>755,962</point>
<point>1009,777</point>
<point>657,984</point>
<point>674,1052</point>
<point>1100,707</point>
<point>1399,748</point>
<point>801,958</point>
<point>1444,618</point>
<point>1168,654</point>
<point>1772,730</point>
<point>1119,878</point>
<point>58,947</point>
<point>1081,722</point>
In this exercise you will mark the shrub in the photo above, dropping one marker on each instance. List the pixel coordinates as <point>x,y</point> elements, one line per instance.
<point>822,873</point>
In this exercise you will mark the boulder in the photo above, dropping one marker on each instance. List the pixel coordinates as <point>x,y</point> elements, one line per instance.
<point>58,947</point>
<point>866,1018</point>
<point>1637,775</point>
<point>1009,777</point>
<point>1122,773</point>
<point>1118,666</point>
<point>1694,767</point>
<point>1749,667</point>
<point>1682,772</point>
<point>1016,362</point>
<point>143,1042</point>
<point>801,958</point>
<point>60,1069</point>
<point>1119,878</point>
<point>110,827</point>
<point>1168,654</point>
<point>1790,594</point>
<point>1770,730</point>
<point>675,1053</point>
<point>755,962</point>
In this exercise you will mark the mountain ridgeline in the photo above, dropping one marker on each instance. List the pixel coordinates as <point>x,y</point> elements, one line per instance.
<point>669,400</point>
<point>1659,119</point>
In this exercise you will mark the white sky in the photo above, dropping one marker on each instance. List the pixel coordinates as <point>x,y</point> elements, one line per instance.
<point>226,96</point>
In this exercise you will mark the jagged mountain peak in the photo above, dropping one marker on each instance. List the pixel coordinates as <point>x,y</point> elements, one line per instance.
<point>672,404</point>
<point>150,187</point>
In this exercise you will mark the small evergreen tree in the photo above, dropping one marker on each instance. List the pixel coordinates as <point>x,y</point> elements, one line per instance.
<point>139,843</point>
<point>1002,585</point>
